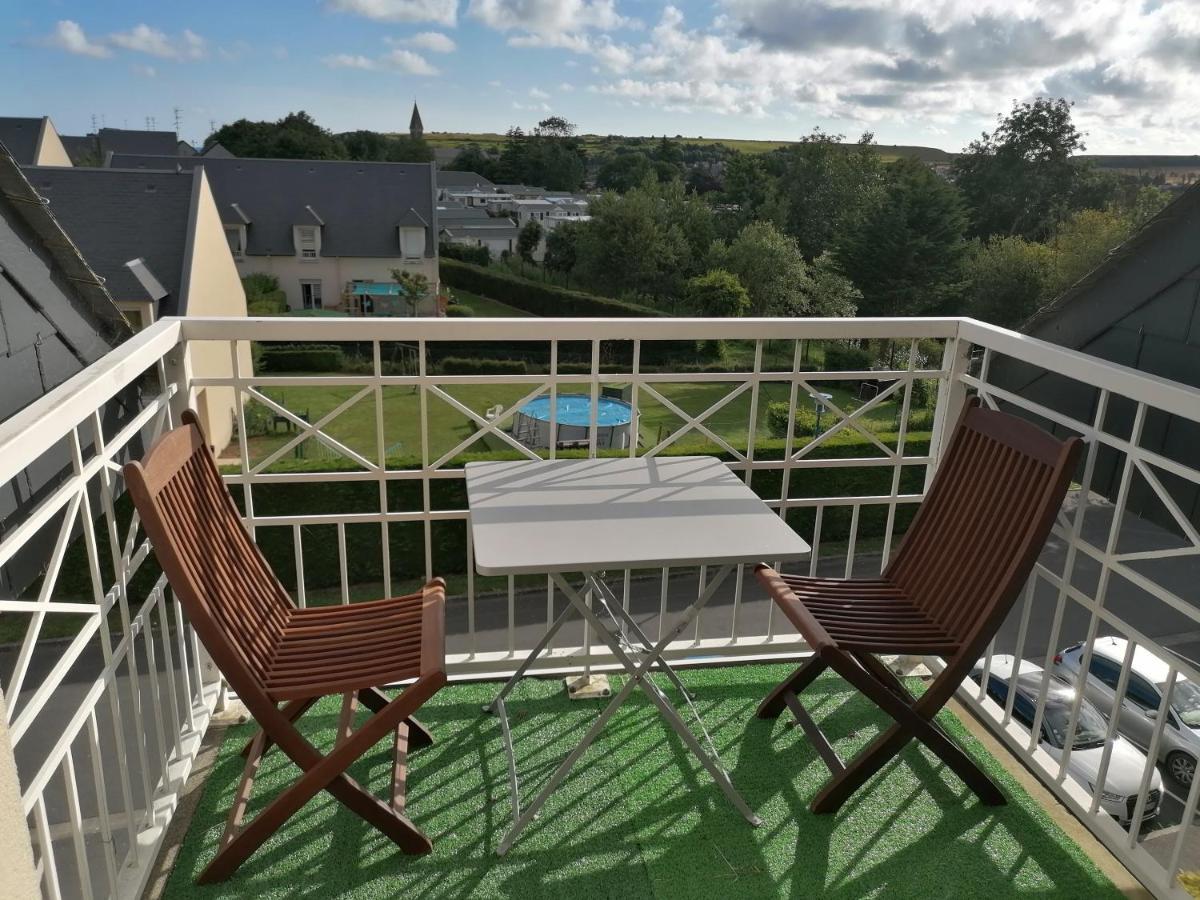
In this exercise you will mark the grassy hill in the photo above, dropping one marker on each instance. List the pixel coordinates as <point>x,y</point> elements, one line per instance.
<point>889,152</point>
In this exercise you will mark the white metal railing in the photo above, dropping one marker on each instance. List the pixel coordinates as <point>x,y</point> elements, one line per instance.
<point>132,684</point>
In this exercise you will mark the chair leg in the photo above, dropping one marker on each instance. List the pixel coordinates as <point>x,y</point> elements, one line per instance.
<point>795,683</point>
<point>418,735</point>
<point>292,710</point>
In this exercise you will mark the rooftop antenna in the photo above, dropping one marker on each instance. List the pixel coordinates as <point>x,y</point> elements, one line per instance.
<point>178,120</point>
<point>212,125</point>
<point>93,123</point>
<point>149,123</point>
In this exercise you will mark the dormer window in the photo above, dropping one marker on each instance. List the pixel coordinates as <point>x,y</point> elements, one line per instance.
<point>236,235</point>
<point>308,241</point>
<point>412,242</point>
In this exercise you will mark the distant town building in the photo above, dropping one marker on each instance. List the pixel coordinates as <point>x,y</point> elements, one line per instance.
<point>33,142</point>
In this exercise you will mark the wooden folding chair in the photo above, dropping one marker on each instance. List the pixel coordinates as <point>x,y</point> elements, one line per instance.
<point>272,652</point>
<point>946,592</point>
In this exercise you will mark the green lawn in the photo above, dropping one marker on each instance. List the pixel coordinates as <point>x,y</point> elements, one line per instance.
<point>639,818</point>
<point>486,307</point>
<point>355,427</point>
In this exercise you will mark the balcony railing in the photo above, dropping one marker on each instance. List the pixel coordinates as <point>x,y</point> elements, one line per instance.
<point>351,480</point>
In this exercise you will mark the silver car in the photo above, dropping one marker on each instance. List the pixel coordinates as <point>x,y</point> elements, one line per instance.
<point>1179,747</point>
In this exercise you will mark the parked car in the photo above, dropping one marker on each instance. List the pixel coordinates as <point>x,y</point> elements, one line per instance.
<point>1180,744</point>
<point>1126,763</point>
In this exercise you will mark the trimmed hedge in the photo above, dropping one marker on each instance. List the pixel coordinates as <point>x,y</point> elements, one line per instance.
<point>406,540</point>
<point>462,365</point>
<point>302,358</point>
<point>272,303</point>
<point>459,311</point>
<point>479,256</point>
<point>539,298</point>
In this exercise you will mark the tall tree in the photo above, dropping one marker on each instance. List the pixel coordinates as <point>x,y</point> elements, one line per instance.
<point>562,248</point>
<point>528,239</point>
<point>907,257</point>
<point>295,136</point>
<point>624,171</point>
<point>1020,179</point>
<point>1007,279</point>
<point>716,293</point>
<point>771,267</point>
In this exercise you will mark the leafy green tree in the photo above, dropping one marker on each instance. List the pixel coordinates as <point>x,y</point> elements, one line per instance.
<point>825,187</point>
<point>716,293</point>
<point>295,136</point>
<point>750,194</point>
<point>771,267</point>
<point>371,146</point>
<point>624,171</point>
<point>1082,242</point>
<point>907,257</point>
<point>831,292</point>
<point>473,158</point>
<point>528,239</point>
<point>416,287</point>
<point>562,245</point>
<point>1007,279</point>
<point>1147,203</point>
<point>552,156</point>
<point>1020,179</point>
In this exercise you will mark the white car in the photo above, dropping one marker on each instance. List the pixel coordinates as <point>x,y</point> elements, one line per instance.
<point>1126,763</point>
<point>1179,746</point>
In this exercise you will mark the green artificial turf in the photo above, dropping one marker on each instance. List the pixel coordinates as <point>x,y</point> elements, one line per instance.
<point>639,818</point>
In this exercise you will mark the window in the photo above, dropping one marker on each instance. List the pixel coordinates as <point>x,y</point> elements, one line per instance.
<point>310,294</point>
<point>308,241</point>
<point>1141,692</point>
<point>1105,669</point>
<point>236,235</point>
<point>412,242</point>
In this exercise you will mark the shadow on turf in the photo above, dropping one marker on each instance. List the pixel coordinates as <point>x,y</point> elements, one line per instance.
<point>643,851</point>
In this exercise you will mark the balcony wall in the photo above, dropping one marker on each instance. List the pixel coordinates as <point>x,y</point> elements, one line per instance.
<point>351,482</point>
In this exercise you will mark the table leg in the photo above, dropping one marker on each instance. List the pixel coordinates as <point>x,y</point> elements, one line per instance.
<point>533,654</point>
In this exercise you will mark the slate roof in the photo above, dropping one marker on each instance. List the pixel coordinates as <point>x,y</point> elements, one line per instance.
<point>464,181</point>
<point>361,203</point>
<point>115,216</point>
<point>81,148</point>
<point>130,140</point>
<point>20,136</point>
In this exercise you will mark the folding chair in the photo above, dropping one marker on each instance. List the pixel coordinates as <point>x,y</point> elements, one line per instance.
<point>946,592</point>
<point>271,652</point>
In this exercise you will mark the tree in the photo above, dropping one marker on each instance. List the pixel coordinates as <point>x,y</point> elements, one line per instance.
<point>1007,279</point>
<point>906,258</point>
<point>416,288</point>
<point>562,248</point>
<point>528,239</point>
<point>1081,243</point>
<point>624,171</point>
<point>1020,179</point>
<point>831,292</point>
<point>295,136</point>
<point>551,156</point>
<point>825,188</point>
<point>750,194</point>
<point>716,293</point>
<point>771,267</point>
<point>473,158</point>
<point>371,146</point>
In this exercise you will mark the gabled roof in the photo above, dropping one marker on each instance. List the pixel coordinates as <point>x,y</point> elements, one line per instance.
<point>217,151</point>
<point>1158,254</point>
<point>57,316</point>
<point>116,216</point>
<point>129,140</point>
<point>21,136</point>
<point>360,203</point>
<point>81,148</point>
<point>463,181</point>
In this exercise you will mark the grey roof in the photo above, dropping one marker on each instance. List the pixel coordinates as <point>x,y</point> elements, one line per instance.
<point>115,216</point>
<point>443,156</point>
<point>129,140</point>
<point>462,180</point>
<point>482,232</point>
<point>217,151</point>
<point>81,148</point>
<point>71,321</point>
<point>20,136</point>
<point>1155,255</point>
<point>361,203</point>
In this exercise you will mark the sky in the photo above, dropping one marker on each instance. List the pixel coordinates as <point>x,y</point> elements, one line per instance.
<point>927,72</point>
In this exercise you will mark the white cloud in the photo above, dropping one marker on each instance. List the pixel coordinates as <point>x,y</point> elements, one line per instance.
<point>154,42</point>
<point>1131,66</point>
<point>433,41</point>
<point>143,71</point>
<point>395,59</point>
<point>68,35</point>
<point>443,12</point>
<point>494,83</point>
<point>538,94</point>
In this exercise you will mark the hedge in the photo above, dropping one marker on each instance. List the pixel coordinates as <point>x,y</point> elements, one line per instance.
<point>272,303</point>
<point>472,365</point>
<point>406,540</point>
<point>479,256</point>
<point>302,358</point>
<point>539,298</point>
<point>459,311</point>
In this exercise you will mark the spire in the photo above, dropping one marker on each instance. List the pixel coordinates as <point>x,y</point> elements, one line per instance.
<point>415,128</point>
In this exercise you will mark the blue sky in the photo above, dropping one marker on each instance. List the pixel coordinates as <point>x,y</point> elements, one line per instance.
<point>932,72</point>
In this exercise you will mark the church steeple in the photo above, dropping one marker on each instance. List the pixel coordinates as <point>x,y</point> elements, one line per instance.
<point>415,128</point>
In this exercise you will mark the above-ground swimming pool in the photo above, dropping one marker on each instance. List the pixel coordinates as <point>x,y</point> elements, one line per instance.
<point>573,417</point>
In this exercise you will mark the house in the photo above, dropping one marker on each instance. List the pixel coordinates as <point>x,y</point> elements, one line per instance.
<point>56,319</point>
<point>33,142</point>
<point>324,228</point>
<point>471,226</point>
<point>1172,172</point>
<point>156,241</point>
<point>1139,308</point>
<point>93,149</point>
<point>469,188</point>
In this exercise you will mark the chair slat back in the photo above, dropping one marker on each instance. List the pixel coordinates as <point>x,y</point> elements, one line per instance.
<point>232,597</point>
<point>976,536</point>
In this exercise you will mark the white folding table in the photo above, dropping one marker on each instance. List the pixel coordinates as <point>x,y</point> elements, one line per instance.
<point>592,515</point>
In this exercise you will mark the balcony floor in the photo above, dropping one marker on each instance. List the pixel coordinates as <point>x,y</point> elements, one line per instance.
<point>639,818</point>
